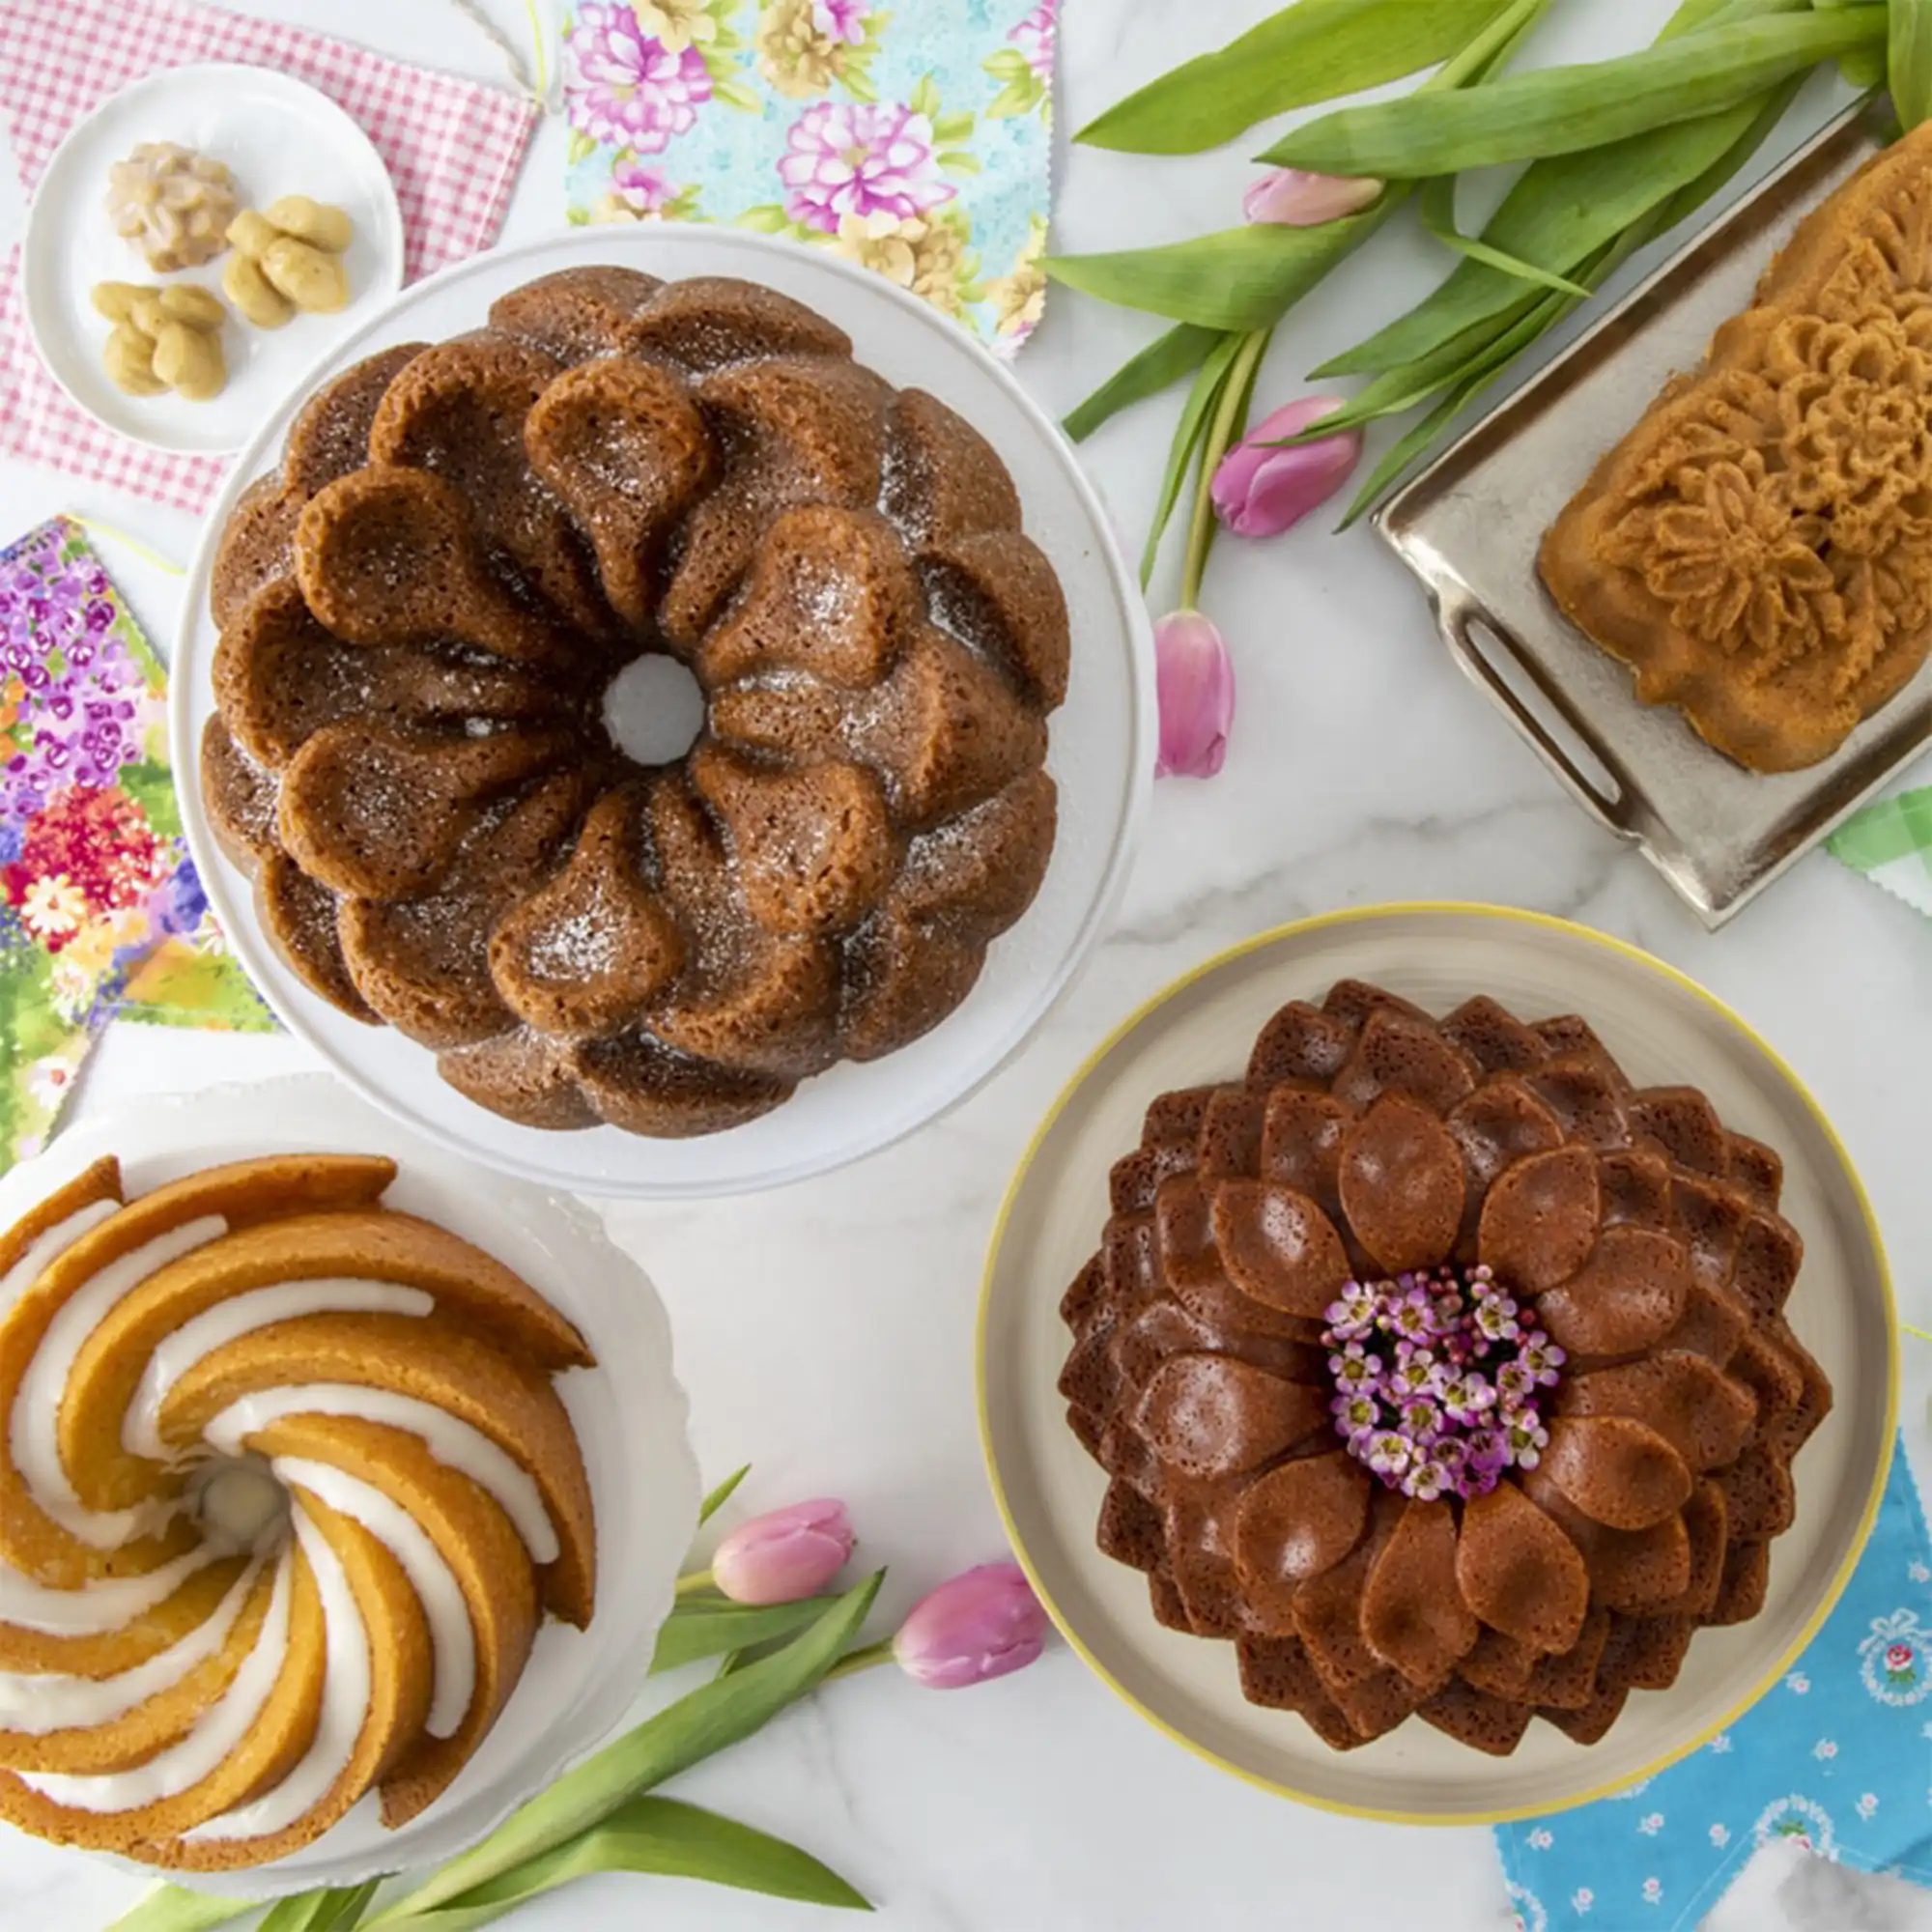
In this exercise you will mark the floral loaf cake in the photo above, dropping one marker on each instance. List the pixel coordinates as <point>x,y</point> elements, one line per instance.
<point>422,613</point>
<point>1442,1370</point>
<point>285,1492</point>
<point>1758,548</point>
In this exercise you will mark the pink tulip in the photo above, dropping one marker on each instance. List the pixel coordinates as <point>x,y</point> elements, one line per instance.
<point>979,1626</point>
<point>1259,490</point>
<point>791,1553</point>
<point>1294,198</point>
<point>1195,681</point>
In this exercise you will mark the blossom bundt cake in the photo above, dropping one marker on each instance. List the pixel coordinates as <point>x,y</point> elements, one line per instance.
<point>421,616</point>
<point>1442,1370</point>
<point>1758,548</point>
<point>285,1492</point>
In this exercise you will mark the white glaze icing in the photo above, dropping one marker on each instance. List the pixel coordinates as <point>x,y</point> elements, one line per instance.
<point>57,1239</point>
<point>450,1439</point>
<point>105,1605</point>
<point>34,1703</point>
<point>242,1315</point>
<point>344,1707</point>
<point>33,1433</point>
<point>214,1737</point>
<point>452,1640</point>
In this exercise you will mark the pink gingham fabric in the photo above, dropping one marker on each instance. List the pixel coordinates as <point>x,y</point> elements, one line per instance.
<point>452,148</point>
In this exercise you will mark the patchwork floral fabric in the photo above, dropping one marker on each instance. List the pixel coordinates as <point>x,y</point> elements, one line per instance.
<point>101,909</point>
<point>912,136</point>
<point>1836,1758</point>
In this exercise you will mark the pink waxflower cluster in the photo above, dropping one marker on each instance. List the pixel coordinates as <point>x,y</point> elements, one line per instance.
<point>1439,1380</point>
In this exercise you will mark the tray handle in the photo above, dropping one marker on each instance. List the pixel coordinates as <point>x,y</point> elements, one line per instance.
<point>1463,623</point>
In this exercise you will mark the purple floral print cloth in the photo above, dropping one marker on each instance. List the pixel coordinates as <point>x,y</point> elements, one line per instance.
<point>101,909</point>
<point>911,136</point>
<point>1835,1757</point>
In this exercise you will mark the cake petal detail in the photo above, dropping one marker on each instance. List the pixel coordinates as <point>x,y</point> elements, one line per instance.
<point>1208,1415</point>
<point>1541,1218</point>
<point>1413,1615</point>
<point>1297,1521</point>
<point>1628,1295</point>
<point>1400,1182</point>
<point>1617,1471</point>
<point>1519,1573</point>
<point>1278,1246</point>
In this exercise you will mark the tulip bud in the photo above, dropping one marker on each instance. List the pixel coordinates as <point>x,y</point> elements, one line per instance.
<point>979,1626</point>
<point>1195,681</point>
<point>1293,198</point>
<point>787,1555</point>
<point>1259,490</point>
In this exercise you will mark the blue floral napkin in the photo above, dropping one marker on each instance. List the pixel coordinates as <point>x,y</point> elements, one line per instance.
<point>913,137</point>
<point>1835,1757</point>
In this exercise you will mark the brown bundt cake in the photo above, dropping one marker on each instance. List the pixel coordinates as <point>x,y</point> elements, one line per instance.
<point>1442,1369</point>
<point>421,616</point>
<point>285,1495</point>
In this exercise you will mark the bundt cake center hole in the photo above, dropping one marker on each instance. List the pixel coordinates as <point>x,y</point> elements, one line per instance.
<point>240,1502</point>
<point>654,709</point>
<point>1443,1381</point>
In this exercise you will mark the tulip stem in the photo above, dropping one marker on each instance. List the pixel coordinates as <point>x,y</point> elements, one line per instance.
<point>690,1584</point>
<point>863,1658</point>
<point>1229,416</point>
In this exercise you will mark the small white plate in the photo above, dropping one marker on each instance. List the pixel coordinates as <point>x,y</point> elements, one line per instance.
<point>1101,751</point>
<point>629,1412</point>
<point>1662,1028</point>
<point>277,137</point>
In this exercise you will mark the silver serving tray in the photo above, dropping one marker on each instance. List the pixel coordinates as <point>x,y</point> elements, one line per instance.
<point>1470,524</point>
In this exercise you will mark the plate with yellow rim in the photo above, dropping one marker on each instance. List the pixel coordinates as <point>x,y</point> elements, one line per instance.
<point>1663,1029</point>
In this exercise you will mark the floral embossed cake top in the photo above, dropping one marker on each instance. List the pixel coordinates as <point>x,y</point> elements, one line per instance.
<point>1759,548</point>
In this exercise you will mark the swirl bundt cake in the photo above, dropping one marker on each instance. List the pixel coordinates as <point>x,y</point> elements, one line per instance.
<point>285,1492</point>
<point>1444,1371</point>
<point>421,616</point>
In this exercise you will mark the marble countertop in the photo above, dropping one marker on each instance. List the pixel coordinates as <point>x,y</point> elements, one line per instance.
<point>825,1331</point>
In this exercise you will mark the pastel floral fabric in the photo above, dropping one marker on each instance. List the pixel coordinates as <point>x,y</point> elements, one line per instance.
<point>101,908</point>
<point>913,137</point>
<point>1836,1758</point>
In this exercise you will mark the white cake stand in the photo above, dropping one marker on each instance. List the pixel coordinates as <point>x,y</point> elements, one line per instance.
<point>1101,748</point>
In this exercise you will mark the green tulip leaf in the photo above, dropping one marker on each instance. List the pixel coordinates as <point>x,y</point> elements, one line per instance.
<point>1558,214</point>
<point>716,1713</point>
<point>722,1493</point>
<point>1694,194</point>
<point>659,1835</point>
<point>336,1910</point>
<point>1908,60</point>
<point>1242,278</point>
<point>1196,413</point>
<point>709,1625</point>
<point>1161,363</point>
<point>1562,110</point>
<point>1436,205</point>
<point>172,1908</point>
<point>1315,50</point>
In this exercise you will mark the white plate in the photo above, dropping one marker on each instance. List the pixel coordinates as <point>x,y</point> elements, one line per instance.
<point>1663,1029</point>
<point>1100,755</point>
<point>629,1415</point>
<point>277,137</point>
